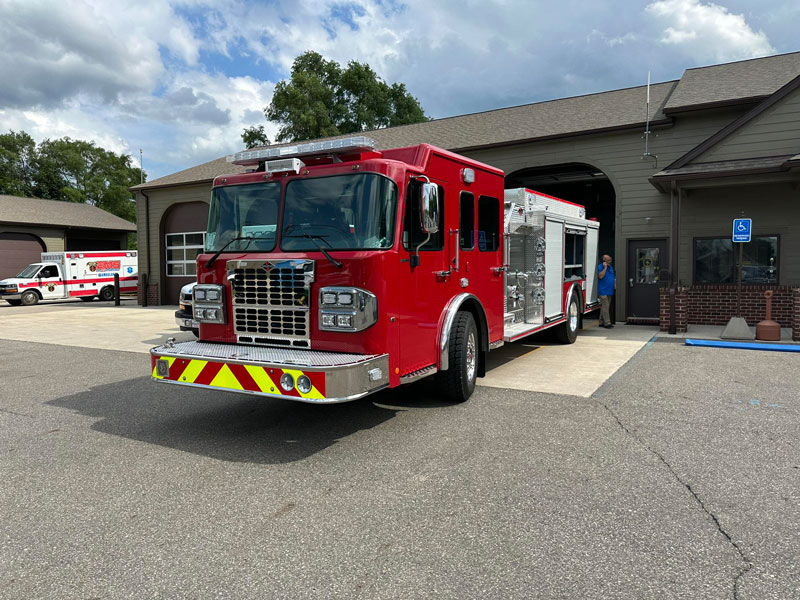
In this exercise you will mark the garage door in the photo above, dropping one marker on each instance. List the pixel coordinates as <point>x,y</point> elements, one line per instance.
<point>183,239</point>
<point>17,250</point>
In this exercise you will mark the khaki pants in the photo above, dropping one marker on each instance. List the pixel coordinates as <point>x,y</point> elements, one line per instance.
<point>605,303</point>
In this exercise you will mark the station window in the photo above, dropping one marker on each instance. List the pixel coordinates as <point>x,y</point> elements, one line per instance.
<point>182,251</point>
<point>413,235</point>
<point>715,260</point>
<point>488,224</point>
<point>466,224</point>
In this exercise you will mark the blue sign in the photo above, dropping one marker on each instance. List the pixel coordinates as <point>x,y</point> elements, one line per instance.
<point>130,269</point>
<point>742,229</point>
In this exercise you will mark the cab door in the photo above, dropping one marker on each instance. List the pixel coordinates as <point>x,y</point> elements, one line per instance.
<point>425,288</point>
<point>51,283</point>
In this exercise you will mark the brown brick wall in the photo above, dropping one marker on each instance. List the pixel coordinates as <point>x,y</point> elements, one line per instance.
<point>716,304</point>
<point>681,309</point>
<point>796,316</point>
<point>153,298</point>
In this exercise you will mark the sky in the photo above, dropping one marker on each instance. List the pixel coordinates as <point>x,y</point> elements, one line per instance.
<point>181,79</point>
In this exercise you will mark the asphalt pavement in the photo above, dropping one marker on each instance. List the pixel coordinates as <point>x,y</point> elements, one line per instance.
<point>679,478</point>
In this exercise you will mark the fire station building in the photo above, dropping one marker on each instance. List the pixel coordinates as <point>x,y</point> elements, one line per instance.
<point>665,179</point>
<point>30,226</point>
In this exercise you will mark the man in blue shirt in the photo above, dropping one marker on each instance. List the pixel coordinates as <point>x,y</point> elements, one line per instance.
<point>606,284</point>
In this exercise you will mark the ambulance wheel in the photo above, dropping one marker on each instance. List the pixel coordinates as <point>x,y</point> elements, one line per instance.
<point>568,332</point>
<point>14,302</point>
<point>107,293</point>
<point>87,298</point>
<point>458,382</point>
<point>29,298</point>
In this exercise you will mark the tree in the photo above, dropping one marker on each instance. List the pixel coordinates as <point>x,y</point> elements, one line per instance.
<point>254,136</point>
<point>68,170</point>
<point>79,171</point>
<point>321,99</point>
<point>17,151</point>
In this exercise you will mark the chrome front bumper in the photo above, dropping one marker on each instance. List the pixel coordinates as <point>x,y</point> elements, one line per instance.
<point>10,295</point>
<point>335,377</point>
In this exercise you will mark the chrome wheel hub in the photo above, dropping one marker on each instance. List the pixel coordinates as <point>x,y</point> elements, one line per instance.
<point>573,316</point>
<point>472,357</point>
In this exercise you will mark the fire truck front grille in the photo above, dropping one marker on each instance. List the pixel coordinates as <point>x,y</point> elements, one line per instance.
<point>271,303</point>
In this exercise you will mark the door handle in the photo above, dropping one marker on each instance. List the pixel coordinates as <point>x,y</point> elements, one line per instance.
<point>630,282</point>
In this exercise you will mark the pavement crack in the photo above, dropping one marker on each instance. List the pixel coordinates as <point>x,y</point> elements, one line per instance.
<point>747,563</point>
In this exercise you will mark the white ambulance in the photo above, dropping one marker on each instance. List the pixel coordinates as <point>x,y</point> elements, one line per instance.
<point>84,275</point>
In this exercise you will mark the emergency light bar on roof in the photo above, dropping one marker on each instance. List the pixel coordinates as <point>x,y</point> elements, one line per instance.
<point>348,145</point>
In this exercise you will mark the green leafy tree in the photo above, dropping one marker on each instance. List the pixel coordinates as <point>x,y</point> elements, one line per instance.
<point>17,152</point>
<point>80,171</point>
<point>321,99</point>
<point>254,136</point>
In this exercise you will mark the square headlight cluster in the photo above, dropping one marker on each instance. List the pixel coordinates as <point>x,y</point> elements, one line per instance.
<point>209,303</point>
<point>347,309</point>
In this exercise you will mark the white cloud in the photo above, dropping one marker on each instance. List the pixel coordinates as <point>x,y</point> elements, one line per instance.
<point>182,78</point>
<point>709,31</point>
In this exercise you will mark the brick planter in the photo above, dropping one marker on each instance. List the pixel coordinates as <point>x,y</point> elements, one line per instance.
<point>716,304</point>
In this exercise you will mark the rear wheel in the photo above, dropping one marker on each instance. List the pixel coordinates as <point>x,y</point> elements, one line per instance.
<point>29,298</point>
<point>107,293</point>
<point>14,302</point>
<point>568,332</point>
<point>458,382</point>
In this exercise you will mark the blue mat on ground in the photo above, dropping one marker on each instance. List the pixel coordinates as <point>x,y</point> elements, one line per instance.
<point>744,345</point>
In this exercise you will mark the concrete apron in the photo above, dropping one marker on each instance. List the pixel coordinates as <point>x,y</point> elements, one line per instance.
<point>131,329</point>
<point>577,369</point>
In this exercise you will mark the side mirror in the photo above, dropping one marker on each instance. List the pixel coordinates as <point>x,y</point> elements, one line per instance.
<point>429,213</point>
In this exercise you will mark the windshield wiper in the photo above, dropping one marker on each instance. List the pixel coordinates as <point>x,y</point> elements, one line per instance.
<point>314,239</point>
<point>249,239</point>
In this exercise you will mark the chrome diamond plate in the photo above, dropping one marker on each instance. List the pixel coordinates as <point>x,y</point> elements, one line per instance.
<point>263,355</point>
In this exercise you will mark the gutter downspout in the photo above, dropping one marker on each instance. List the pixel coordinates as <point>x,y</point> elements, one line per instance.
<point>675,199</point>
<point>146,283</point>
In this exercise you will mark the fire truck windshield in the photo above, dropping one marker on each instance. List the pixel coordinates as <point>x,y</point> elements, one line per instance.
<point>243,217</point>
<point>341,212</point>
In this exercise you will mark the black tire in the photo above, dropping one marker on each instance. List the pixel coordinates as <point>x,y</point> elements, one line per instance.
<point>458,382</point>
<point>107,293</point>
<point>568,332</point>
<point>29,298</point>
<point>196,333</point>
<point>87,298</point>
<point>14,302</point>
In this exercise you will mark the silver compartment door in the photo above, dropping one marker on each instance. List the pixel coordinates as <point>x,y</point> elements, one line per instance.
<point>554,268</point>
<point>590,258</point>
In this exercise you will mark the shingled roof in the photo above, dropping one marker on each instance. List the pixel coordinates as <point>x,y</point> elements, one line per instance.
<point>591,113</point>
<point>55,213</point>
<point>745,80</point>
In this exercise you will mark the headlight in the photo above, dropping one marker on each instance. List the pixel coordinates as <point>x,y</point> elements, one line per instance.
<point>209,303</point>
<point>347,309</point>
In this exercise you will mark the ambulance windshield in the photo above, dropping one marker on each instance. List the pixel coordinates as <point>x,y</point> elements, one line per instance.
<point>341,212</point>
<point>29,271</point>
<point>243,217</point>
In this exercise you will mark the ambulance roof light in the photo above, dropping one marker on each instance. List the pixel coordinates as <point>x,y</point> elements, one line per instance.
<point>347,145</point>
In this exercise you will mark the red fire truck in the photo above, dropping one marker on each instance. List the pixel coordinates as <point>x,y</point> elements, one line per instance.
<point>333,270</point>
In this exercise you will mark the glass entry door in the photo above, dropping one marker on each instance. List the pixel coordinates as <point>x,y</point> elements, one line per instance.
<point>645,260</point>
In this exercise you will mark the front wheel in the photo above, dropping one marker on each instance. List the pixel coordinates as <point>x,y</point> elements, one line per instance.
<point>458,382</point>
<point>29,298</point>
<point>568,332</point>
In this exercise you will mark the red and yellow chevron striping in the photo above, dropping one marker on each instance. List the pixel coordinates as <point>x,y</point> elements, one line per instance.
<point>233,376</point>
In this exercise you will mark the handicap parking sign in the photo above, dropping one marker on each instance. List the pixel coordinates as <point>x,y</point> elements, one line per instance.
<point>742,229</point>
